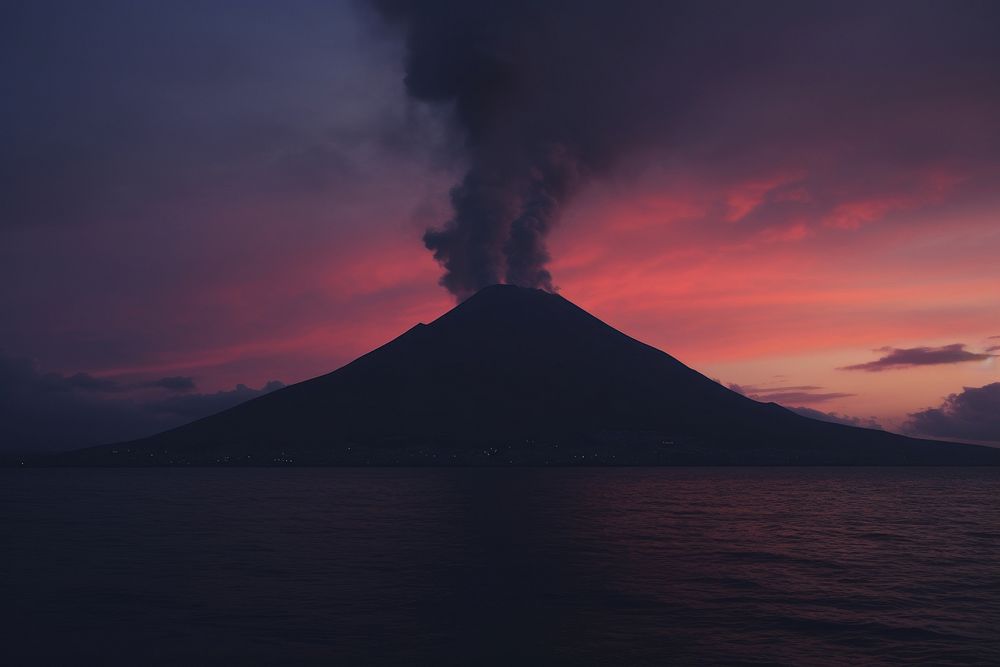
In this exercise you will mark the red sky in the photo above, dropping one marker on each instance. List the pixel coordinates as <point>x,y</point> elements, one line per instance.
<point>251,207</point>
<point>783,305</point>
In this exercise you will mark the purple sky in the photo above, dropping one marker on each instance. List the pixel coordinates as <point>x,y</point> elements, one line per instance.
<point>233,193</point>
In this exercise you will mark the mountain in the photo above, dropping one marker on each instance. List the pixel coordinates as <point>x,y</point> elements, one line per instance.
<point>518,376</point>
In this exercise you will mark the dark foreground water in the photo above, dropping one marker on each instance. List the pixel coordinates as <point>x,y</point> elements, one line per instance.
<point>530,566</point>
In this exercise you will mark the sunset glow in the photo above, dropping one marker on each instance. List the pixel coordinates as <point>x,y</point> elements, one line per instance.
<point>242,228</point>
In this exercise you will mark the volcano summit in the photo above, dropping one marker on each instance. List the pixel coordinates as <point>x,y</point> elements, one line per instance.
<point>519,376</point>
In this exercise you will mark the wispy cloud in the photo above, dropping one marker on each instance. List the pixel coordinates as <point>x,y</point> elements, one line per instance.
<point>796,394</point>
<point>895,358</point>
<point>833,417</point>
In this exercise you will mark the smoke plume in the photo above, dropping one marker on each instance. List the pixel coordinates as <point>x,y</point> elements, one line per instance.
<point>522,88</point>
<point>547,95</point>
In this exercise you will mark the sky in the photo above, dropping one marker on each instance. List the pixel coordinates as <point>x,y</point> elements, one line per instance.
<point>200,202</point>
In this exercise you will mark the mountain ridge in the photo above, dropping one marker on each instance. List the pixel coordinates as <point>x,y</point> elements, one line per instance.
<point>515,375</point>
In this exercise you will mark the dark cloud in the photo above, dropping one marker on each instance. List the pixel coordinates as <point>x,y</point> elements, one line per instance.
<point>50,411</point>
<point>833,417</point>
<point>547,96</point>
<point>195,406</point>
<point>177,383</point>
<point>919,356</point>
<point>788,394</point>
<point>993,348</point>
<point>85,382</point>
<point>972,414</point>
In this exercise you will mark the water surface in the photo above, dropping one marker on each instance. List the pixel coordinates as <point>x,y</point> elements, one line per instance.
<point>503,566</point>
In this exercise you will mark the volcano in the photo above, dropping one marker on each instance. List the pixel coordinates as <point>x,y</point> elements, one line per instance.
<point>519,376</point>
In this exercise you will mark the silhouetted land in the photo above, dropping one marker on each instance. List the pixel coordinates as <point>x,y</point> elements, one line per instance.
<point>517,376</point>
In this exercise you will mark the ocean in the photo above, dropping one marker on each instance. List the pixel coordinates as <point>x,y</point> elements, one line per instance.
<point>520,566</point>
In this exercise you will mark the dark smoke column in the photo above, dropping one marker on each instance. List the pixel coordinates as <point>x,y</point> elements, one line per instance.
<point>523,168</point>
<point>548,95</point>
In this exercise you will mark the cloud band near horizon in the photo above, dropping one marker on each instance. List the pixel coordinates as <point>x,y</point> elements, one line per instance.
<point>897,358</point>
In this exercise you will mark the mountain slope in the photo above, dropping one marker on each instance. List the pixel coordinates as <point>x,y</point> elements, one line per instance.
<point>516,375</point>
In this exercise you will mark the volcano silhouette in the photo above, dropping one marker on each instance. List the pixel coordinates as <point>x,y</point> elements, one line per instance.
<point>519,376</point>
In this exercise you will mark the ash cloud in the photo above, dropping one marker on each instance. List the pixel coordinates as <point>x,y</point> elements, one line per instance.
<point>972,414</point>
<point>896,358</point>
<point>546,96</point>
<point>511,73</point>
